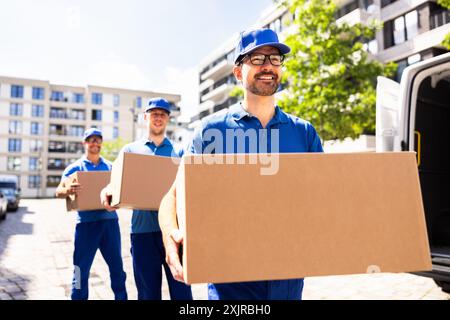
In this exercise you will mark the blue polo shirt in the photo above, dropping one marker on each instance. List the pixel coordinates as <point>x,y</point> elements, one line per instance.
<point>237,131</point>
<point>83,164</point>
<point>145,221</point>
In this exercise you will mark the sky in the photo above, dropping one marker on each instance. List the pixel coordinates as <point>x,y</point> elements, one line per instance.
<point>133,44</point>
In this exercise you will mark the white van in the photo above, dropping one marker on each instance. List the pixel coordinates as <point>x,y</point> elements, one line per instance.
<point>415,116</point>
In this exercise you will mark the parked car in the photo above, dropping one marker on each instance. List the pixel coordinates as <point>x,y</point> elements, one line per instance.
<point>9,185</point>
<point>415,116</point>
<point>3,206</point>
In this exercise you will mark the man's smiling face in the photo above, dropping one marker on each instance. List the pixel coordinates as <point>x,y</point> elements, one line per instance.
<point>261,80</point>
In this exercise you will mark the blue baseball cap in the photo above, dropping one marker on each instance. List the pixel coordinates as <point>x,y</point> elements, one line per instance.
<point>92,132</point>
<point>254,39</point>
<point>158,103</point>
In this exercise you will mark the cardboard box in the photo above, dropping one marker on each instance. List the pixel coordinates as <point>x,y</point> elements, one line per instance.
<point>140,181</point>
<point>92,183</point>
<point>320,214</point>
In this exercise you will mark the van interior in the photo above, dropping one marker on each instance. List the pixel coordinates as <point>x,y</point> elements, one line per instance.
<point>432,144</point>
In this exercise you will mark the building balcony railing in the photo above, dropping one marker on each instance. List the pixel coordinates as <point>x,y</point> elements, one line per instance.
<point>439,19</point>
<point>56,167</point>
<point>354,17</point>
<point>222,68</point>
<point>218,93</point>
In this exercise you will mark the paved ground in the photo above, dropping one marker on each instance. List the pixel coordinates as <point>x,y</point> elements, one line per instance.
<point>36,245</point>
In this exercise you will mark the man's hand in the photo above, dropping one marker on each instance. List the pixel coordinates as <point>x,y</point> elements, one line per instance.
<point>73,188</point>
<point>173,243</point>
<point>105,197</point>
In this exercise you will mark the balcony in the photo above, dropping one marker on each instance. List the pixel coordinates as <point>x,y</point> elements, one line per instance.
<point>205,85</point>
<point>354,17</point>
<point>205,106</point>
<point>218,71</point>
<point>421,42</point>
<point>439,19</point>
<point>218,94</point>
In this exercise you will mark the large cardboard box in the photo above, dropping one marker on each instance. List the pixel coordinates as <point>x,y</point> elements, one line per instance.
<point>92,183</point>
<point>320,214</point>
<point>140,181</point>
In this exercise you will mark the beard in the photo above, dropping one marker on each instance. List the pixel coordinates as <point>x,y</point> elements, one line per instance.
<point>157,131</point>
<point>260,88</point>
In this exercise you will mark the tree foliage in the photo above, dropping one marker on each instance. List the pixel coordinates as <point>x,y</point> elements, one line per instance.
<point>110,149</point>
<point>331,78</point>
<point>445,4</point>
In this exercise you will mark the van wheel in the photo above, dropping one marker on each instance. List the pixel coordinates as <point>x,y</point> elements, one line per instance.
<point>445,285</point>
<point>3,217</point>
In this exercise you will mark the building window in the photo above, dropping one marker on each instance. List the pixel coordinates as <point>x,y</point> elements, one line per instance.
<point>139,102</point>
<point>401,29</point>
<point>402,64</point>
<point>38,93</point>
<point>97,115</point>
<point>14,145</point>
<point>78,98</point>
<point>56,164</point>
<point>34,182</point>
<point>58,129</point>
<point>116,100</point>
<point>34,164</point>
<point>57,96</point>
<point>16,91</point>
<point>58,113</point>
<point>371,46</point>
<point>76,114</point>
<point>75,147</point>
<point>96,98</point>
<point>14,163</point>
<point>15,109</point>
<point>76,131</point>
<point>35,145</point>
<point>116,116</point>
<point>384,3</point>
<point>115,133</point>
<point>412,24</point>
<point>56,146</point>
<point>53,181</point>
<point>36,128</point>
<point>15,127</point>
<point>345,9</point>
<point>37,111</point>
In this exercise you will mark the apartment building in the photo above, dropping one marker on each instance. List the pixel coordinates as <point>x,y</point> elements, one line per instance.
<point>42,124</point>
<point>412,31</point>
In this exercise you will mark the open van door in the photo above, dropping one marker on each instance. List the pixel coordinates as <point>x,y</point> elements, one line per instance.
<point>423,110</point>
<point>387,110</point>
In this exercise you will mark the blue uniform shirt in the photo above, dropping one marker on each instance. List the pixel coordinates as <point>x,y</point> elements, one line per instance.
<point>284,133</point>
<point>144,221</point>
<point>83,164</point>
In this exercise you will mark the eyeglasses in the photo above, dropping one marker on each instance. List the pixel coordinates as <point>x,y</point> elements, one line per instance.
<point>96,140</point>
<point>258,59</point>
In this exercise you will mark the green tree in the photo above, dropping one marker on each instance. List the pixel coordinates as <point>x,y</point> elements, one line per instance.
<point>237,92</point>
<point>445,4</point>
<point>331,79</point>
<point>110,149</point>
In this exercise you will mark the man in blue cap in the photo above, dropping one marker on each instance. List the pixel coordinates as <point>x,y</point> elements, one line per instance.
<point>258,60</point>
<point>146,239</point>
<point>95,229</point>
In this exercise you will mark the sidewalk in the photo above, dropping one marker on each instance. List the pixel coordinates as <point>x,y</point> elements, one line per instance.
<point>36,246</point>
